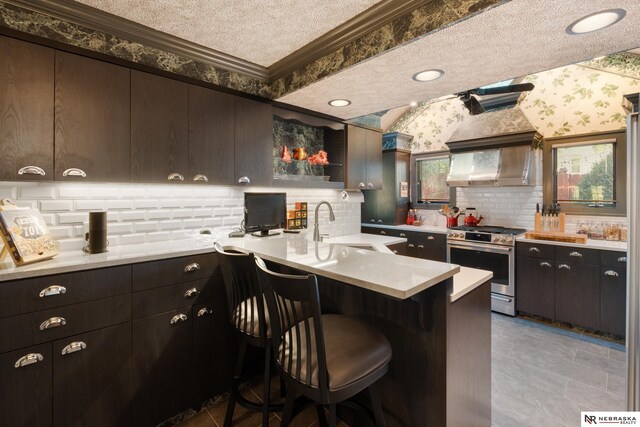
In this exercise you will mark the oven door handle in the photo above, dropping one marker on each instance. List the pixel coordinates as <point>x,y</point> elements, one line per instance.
<point>494,249</point>
<point>501,297</point>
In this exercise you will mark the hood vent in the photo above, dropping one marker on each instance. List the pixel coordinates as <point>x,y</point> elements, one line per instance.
<point>493,149</point>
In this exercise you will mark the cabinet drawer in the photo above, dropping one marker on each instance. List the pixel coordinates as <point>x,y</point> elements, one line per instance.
<point>155,274</point>
<point>398,248</point>
<point>154,301</point>
<point>28,329</point>
<point>577,255</point>
<point>41,293</point>
<point>613,259</point>
<point>369,230</point>
<point>536,250</point>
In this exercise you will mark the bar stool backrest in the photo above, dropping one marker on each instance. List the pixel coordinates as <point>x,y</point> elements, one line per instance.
<point>299,350</point>
<point>244,295</point>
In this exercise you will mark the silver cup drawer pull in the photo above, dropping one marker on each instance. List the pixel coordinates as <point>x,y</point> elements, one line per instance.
<point>420,246</point>
<point>383,232</point>
<point>175,177</point>
<point>622,259</point>
<point>575,254</point>
<point>53,322</point>
<point>191,292</point>
<point>611,273</point>
<point>29,359</point>
<point>431,238</point>
<point>204,311</point>
<point>361,185</point>
<point>411,245</point>
<point>31,170</point>
<point>244,180</point>
<point>201,177</point>
<point>369,185</point>
<point>564,267</point>
<point>194,266</point>
<point>52,290</point>
<point>403,235</point>
<point>545,264</point>
<point>74,172</point>
<point>534,250</point>
<point>178,318</point>
<point>73,347</point>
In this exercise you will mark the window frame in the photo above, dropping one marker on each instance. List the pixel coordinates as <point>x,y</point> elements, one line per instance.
<point>620,172</point>
<point>431,155</point>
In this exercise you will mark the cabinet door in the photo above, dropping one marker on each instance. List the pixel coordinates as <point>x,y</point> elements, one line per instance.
<point>253,146</point>
<point>162,366</point>
<point>399,248</point>
<point>159,128</point>
<point>92,120</point>
<point>578,294</point>
<point>211,136</point>
<point>25,390</point>
<point>214,349</point>
<point>369,209</point>
<point>92,378</point>
<point>535,286</point>
<point>374,160</point>
<point>432,246</point>
<point>613,300</point>
<point>356,157</point>
<point>26,111</point>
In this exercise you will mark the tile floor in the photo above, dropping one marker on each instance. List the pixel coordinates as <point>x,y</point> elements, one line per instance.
<point>541,376</point>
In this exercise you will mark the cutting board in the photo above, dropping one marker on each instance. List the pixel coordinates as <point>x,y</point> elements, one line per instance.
<point>556,236</point>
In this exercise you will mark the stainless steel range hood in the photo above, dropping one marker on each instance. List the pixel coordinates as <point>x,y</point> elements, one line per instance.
<point>493,149</point>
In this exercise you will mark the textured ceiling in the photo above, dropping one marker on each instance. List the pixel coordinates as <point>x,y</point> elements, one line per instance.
<point>517,38</point>
<point>261,32</point>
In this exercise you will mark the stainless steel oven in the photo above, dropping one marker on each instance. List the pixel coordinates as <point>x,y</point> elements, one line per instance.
<point>494,250</point>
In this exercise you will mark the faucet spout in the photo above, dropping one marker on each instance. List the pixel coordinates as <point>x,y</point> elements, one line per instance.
<point>317,237</point>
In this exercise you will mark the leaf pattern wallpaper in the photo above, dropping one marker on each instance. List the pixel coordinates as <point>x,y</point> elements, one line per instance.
<point>571,100</point>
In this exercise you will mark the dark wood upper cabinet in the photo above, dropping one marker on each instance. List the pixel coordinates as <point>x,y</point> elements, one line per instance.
<point>364,158</point>
<point>159,128</point>
<point>26,111</point>
<point>92,120</point>
<point>211,136</point>
<point>253,157</point>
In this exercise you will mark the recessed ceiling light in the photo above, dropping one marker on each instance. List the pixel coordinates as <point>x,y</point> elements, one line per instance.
<point>339,102</point>
<point>427,75</point>
<point>414,104</point>
<point>596,21</point>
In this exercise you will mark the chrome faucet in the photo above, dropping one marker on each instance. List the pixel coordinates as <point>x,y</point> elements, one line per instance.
<point>317,237</point>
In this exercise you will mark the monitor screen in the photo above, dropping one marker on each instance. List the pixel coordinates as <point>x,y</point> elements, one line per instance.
<point>264,211</point>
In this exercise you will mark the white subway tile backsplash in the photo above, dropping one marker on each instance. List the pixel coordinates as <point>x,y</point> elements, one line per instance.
<point>72,217</point>
<point>36,192</point>
<point>222,211</point>
<point>120,227</point>
<point>170,225</point>
<point>158,236</point>
<point>119,204</point>
<point>71,244</point>
<point>145,203</point>
<point>90,205</point>
<point>132,215</point>
<point>132,239</point>
<point>145,226</point>
<point>159,214</point>
<point>55,205</point>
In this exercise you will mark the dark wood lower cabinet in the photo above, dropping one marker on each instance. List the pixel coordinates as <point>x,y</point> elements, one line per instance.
<point>613,300</point>
<point>431,246</point>
<point>92,378</point>
<point>578,294</point>
<point>536,286</point>
<point>25,390</point>
<point>162,366</point>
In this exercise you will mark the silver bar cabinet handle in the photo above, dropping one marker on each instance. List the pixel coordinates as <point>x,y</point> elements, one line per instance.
<point>73,347</point>
<point>53,322</point>
<point>31,170</point>
<point>29,359</point>
<point>622,259</point>
<point>74,172</point>
<point>201,177</point>
<point>191,292</point>
<point>244,180</point>
<point>564,266</point>
<point>194,266</point>
<point>535,250</point>
<point>575,254</point>
<point>178,318</point>
<point>52,290</point>
<point>545,264</point>
<point>611,273</point>
<point>204,311</point>
<point>175,177</point>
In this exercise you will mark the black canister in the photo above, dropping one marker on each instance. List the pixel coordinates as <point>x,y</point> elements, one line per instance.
<point>97,236</point>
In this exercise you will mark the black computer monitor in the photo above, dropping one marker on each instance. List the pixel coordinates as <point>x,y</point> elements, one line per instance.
<point>264,212</point>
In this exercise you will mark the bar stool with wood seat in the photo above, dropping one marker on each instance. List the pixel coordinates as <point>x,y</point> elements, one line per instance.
<point>249,318</point>
<point>326,358</point>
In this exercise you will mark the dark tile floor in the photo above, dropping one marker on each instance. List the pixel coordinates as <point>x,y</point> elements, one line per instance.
<point>541,376</point>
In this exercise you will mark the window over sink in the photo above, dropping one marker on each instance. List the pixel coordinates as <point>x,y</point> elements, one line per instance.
<point>429,176</point>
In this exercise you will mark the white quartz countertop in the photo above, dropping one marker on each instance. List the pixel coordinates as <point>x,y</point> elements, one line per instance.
<point>396,276</point>
<point>419,228</point>
<point>591,244</point>
<point>467,280</point>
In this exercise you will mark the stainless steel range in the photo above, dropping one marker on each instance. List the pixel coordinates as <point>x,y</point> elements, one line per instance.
<point>492,249</point>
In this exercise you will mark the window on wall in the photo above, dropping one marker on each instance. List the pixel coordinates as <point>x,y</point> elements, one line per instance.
<point>586,174</point>
<point>429,175</point>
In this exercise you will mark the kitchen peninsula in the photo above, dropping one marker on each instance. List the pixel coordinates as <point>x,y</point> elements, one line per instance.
<point>435,315</point>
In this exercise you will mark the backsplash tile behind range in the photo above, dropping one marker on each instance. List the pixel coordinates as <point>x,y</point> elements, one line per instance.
<point>139,213</point>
